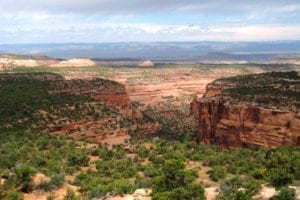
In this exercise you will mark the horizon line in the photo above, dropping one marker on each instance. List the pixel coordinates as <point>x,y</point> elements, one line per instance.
<point>204,41</point>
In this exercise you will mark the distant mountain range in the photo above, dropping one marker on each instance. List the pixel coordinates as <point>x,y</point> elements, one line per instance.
<point>165,51</point>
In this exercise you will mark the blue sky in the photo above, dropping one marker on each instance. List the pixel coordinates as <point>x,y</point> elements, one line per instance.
<point>61,21</point>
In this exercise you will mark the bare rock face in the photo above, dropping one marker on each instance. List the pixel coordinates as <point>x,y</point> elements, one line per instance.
<point>245,126</point>
<point>241,124</point>
<point>147,63</point>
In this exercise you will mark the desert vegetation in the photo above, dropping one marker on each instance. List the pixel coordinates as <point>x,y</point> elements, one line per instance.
<point>38,101</point>
<point>158,164</point>
<point>277,89</point>
<point>173,116</point>
<point>170,164</point>
<point>160,73</point>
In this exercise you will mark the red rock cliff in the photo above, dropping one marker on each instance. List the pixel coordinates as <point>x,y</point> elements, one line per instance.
<point>241,125</point>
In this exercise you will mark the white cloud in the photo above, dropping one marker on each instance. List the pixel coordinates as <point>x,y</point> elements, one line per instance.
<point>116,7</point>
<point>290,8</point>
<point>115,20</point>
<point>114,32</point>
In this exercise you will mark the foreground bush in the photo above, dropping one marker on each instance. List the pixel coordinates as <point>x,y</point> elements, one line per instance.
<point>285,194</point>
<point>176,183</point>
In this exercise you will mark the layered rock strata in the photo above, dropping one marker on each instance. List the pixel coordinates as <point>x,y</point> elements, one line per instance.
<point>232,124</point>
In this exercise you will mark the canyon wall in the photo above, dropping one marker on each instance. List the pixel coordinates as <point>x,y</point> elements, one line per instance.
<point>152,93</point>
<point>109,92</point>
<point>114,128</point>
<point>119,101</point>
<point>243,125</point>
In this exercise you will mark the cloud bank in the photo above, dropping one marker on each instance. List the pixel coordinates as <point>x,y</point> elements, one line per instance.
<point>35,21</point>
<point>149,6</point>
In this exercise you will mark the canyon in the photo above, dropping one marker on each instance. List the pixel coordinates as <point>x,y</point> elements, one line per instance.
<point>107,110</point>
<point>146,85</point>
<point>165,87</point>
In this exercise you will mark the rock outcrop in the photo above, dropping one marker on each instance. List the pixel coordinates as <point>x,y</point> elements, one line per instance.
<point>232,124</point>
<point>147,63</point>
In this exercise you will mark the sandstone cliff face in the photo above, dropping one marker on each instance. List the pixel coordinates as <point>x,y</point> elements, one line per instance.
<point>241,125</point>
<point>153,93</point>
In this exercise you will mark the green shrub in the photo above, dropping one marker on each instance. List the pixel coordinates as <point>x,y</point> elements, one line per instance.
<point>161,196</point>
<point>152,171</point>
<point>143,152</point>
<point>78,158</point>
<point>97,192</point>
<point>173,176</point>
<point>235,195</point>
<point>176,183</point>
<point>285,193</point>
<point>57,180</point>
<point>70,195</point>
<point>123,186</point>
<point>45,185</point>
<point>14,195</point>
<point>193,191</point>
<point>252,186</point>
<point>143,182</point>
<point>280,177</point>
<point>23,178</point>
<point>217,173</point>
<point>258,173</point>
<point>51,196</point>
<point>230,185</point>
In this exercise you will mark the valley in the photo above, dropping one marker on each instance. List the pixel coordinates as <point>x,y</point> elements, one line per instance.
<point>116,132</point>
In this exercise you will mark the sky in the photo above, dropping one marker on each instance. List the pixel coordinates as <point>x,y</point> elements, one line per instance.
<point>97,21</point>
